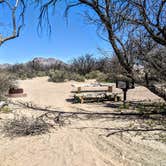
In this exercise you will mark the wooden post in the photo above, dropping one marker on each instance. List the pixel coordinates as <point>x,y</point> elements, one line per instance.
<point>82,100</point>
<point>109,88</point>
<point>115,98</point>
<point>79,90</point>
<point>124,96</point>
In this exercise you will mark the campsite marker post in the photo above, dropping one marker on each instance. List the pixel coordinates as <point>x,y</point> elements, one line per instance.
<point>125,86</point>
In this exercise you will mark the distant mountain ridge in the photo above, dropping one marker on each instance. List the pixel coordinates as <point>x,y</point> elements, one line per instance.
<point>40,60</point>
<point>47,61</point>
<point>5,65</point>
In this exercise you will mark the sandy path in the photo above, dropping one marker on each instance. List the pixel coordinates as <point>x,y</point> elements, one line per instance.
<point>70,146</point>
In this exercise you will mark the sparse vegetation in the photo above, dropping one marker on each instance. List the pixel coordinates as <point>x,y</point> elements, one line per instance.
<point>83,64</point>
<point>93,74</point>
<point>76,77</point>
<point>61,76</point>
<point>5,109</point>
<point>57,76</point>
<point>124,106</point>
<point>23,126</point>
<point>80,68</point>
<point>6,82</point>
<point>155,107</point>
<point>143,107</point>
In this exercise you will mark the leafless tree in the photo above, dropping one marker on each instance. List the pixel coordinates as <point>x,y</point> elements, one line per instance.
<point>148,14</point>
<point>17,20</point>
<point>149,63</point>
<point>83,64</point>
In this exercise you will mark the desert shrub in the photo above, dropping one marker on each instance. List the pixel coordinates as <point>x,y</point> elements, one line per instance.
<point>22,76</point>
<point>102,78</point>
<point>83,64</point>
<point>124,106</point>
<point>99,76</point>
<point>76,77</point>
<point>93,74</point>
<point>61,76</point>
<point>151,107</point>
<point>23,126</point>
<point>58,76</point>
<point>5,109</point>
<point>41,73</point>
<point>25,75</point>
<point>31,74</point>
<point>6,81</point>
<point>35,69</point>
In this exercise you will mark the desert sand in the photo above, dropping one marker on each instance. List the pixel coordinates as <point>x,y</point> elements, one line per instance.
<point>81,142</point>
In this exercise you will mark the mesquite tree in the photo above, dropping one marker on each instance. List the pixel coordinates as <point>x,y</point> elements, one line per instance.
<point>148,14</point>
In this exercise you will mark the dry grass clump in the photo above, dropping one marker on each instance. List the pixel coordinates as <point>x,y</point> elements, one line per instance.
<point>23,126</point>
<point>5,109</point>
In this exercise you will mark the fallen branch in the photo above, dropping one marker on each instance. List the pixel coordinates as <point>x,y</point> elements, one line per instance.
<point>133,130</point>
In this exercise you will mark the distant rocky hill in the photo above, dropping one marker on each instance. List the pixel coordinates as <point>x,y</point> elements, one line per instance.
<point>47,61</point>
<point>5,65</point>
<point>40,60</point>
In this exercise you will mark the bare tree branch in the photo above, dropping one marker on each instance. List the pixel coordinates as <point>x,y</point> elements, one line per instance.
<point>16,27</point>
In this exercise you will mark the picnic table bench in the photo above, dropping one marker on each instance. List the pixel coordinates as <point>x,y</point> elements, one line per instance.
<point>96,97</point>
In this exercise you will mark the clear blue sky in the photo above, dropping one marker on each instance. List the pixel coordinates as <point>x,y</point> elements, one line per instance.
<point>66,41</point>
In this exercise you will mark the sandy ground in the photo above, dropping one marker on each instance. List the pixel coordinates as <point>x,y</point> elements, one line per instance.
<point>83,142</point>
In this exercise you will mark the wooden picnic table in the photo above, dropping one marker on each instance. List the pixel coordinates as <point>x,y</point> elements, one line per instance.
<point>96,97</point>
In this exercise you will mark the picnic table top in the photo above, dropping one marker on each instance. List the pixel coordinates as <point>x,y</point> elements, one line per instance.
<point>97,84</point>
<point>96,94</point>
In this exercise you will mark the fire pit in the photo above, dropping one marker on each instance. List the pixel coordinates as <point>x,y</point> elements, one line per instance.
<point>16,92</point>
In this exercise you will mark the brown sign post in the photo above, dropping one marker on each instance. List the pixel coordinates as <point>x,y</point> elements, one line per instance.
<point>124,85</point>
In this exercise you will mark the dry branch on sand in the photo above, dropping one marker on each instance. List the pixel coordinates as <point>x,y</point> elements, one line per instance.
<point>144,122</point>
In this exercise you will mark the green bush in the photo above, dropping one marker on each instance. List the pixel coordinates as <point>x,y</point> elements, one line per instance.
<point>22,76</point>
<point>5,109</point>
<point>31,74</point>
<point>61,76</point>
<point>41,73</point>
<point>93,74</point>
<point>102,78</point>
<point>99,76</point>
<point>25,75</point>
<point>58,76</point>
<point>76,77</point>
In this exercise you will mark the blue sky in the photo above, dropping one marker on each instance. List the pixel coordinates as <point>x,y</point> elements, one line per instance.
<point>66,41</point>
